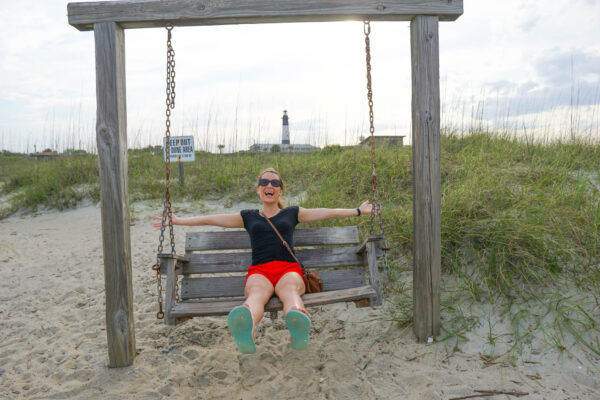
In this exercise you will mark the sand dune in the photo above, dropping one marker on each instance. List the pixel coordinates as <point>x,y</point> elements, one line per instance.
<point>53,340</point>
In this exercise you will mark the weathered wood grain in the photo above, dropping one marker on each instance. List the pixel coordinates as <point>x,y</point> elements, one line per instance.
<point>231,286</point>
<point>174,256</point>
<point>111,135</point>
<point>146,14</point>
<point>373,266</point>
<point>201,263</point>
<point>193,309</point>
<point>371,238</point>
<point>239,239</point>
<point>426,176</point>
<point>170,289</point>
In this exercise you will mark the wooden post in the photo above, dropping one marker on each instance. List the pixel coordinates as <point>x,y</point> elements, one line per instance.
<point>426,175</point>
<point>111,135</point>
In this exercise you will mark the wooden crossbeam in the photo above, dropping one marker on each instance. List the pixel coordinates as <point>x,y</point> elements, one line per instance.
<point>154,13</point>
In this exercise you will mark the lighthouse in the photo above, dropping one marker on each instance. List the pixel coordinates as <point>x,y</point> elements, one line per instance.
<point>285,133</point>
<point>285,146</point>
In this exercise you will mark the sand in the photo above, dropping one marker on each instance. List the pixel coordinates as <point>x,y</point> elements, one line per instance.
<point>53,336</point>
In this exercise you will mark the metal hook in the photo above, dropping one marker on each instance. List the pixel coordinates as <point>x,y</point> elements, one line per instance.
<point>367,27</point>
<point>169,27</point>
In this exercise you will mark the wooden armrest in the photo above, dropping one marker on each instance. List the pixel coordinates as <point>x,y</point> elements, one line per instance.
<point>175,256</point>
<point>178,261</point>
<point>372,238</point>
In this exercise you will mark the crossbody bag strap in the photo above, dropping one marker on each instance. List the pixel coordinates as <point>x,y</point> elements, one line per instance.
<point>287,246</point>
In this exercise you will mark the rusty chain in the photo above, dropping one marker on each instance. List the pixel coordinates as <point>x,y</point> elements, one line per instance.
<point>367,29</point>
<point>170,103</point>
<point>167,213</point>
<point>375,198</point>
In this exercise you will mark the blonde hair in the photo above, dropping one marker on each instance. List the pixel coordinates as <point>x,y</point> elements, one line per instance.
<point>273,171</point>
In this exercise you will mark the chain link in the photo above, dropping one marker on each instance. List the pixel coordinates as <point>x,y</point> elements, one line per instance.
<point>156,267</point>
<point>375,199</point>
<point>170,104</point>
<point>167,213</point>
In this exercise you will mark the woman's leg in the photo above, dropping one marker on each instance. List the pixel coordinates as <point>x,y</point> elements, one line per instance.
<point>258,291</point>
<point>289,289</point>
<point>297,320</point>
<point>243,319</point>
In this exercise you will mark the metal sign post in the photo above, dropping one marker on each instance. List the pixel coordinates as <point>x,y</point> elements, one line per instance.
<point>180,165</point>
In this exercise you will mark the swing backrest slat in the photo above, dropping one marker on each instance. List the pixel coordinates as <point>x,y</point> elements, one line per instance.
<point>329,257</point>
<point>238,239</point>
<point>233,286</point>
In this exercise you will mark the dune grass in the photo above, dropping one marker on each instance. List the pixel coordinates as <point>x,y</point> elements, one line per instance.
<point>519,219</point>
<point>59,183</point>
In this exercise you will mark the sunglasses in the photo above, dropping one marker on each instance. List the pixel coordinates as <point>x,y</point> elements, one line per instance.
<point>273,182</point>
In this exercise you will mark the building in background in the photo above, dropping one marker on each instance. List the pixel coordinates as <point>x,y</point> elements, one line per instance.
<point>389,141</point>
<point>45,155</point>
<point>285,146</point>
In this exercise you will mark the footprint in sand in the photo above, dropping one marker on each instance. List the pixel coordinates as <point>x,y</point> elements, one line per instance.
<point>254,370</point>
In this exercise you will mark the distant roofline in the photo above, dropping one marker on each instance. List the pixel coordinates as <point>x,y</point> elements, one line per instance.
<point>382,137</point>
<point>283,144</point>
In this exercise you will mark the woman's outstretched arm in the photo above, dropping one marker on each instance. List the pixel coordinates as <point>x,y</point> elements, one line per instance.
<point>319,214</point>
<point>223,220</point>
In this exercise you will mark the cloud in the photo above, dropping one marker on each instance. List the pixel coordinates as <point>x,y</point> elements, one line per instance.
<point>498,51</point>
<point>559,77</point>
<point>529,25</point>
<point>561,67</point>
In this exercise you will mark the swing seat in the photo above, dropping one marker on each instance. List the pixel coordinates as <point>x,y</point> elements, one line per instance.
<point>215,264</point>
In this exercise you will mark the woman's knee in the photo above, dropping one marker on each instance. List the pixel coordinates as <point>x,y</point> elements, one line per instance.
<point>290,284</point>
<point>258,286</point>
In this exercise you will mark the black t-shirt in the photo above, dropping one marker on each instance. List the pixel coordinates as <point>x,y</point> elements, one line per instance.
<point>266,245</point>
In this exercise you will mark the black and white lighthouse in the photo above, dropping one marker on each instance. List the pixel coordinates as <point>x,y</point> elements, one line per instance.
<point>285,146</point>
<point>285,133</point>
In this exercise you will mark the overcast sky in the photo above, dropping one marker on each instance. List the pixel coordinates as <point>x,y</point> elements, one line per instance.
<point>505,65</point>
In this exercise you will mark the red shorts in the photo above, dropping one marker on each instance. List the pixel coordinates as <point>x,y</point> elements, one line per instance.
<point>274,270</point>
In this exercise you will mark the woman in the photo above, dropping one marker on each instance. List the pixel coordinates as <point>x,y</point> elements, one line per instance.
<point>273,269</point>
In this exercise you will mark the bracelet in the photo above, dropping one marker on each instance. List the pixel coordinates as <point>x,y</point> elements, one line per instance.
<point>358,210</point>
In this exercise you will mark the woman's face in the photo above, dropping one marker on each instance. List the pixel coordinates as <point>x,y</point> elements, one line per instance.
<point>269,194</point>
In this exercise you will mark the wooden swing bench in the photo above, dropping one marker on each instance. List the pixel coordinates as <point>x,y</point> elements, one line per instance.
<point>215,264</point>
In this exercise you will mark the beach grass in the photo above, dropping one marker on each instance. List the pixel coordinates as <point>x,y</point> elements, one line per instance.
<point>520,219</point>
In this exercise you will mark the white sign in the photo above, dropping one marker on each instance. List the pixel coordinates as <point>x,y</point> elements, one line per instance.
<point>181,148</point>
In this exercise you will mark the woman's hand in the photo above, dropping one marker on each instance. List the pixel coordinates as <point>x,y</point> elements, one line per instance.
<point>174,219</point>
<point>367,208</point>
